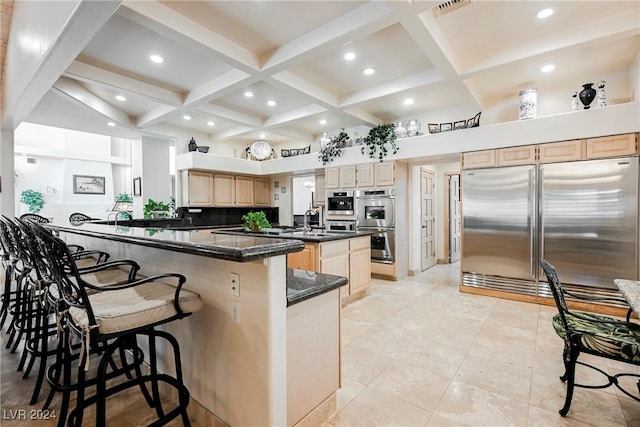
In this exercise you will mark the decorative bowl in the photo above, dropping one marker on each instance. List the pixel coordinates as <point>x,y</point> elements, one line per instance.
<point>203,149</point>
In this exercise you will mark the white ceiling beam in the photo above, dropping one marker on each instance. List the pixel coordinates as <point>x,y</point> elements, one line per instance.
<point>28,74</point>
<point>424,78</point>
<point>609,28</point>
<point>363,116</point>
<point>227,83</point>
<point>108,79</point>
<point>154,116</point>
<point>426,33</point>
<point>290,116</point>
<point>234,131</point>
<point>166,21</point>
<point>353,25</point>
<point>293,134</point>
<point>73,90</point>
<point>289,81</point>
<point>231,115</point>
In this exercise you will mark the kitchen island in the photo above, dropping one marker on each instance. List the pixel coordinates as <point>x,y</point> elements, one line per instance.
<point>245,354</point>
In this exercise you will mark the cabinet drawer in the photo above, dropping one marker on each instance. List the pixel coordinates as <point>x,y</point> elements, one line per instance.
<point>334,248</point>
<point>359,243</point>
<point>611,146</point>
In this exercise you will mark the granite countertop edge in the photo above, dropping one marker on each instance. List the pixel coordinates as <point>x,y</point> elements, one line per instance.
<point>238,254</point>
<point>303,285</point>
<point>310,238</point>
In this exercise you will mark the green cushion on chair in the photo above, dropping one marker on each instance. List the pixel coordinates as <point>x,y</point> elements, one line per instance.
<point>619,340</point>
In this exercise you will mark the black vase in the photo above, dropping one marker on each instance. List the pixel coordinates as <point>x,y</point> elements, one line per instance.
<point>193,146</point>
<point>587,95</point>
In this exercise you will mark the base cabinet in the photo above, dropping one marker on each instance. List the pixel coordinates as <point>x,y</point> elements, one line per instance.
<point>305,259</point>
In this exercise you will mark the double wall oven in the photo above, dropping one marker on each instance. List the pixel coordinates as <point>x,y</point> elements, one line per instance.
<point>375,212</point>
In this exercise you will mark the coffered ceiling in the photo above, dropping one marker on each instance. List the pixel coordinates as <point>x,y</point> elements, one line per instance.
<point>292,53</point>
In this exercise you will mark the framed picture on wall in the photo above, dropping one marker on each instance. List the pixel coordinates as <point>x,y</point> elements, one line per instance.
<point>137,187</point>
<point>88,184</point>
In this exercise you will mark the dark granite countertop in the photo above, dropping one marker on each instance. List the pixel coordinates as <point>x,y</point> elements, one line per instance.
<point>239,247</point>
<point>318,236</point>
<point>303,285</point>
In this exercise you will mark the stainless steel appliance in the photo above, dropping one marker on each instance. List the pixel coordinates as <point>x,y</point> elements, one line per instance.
<point>340,203</point>
<point>580,216</point>
<point>340,225</point>
<point>375,208</point>
<point>375,212</point>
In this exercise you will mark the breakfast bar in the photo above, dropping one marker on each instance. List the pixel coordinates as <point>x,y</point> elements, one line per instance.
<point>265,348</point>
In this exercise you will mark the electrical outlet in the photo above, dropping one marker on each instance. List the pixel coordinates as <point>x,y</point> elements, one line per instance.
<point>234,281</point>
<point>235,312</point>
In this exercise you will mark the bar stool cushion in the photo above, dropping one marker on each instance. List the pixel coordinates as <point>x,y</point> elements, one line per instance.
<point>621,341</point>
<point>125,309</point>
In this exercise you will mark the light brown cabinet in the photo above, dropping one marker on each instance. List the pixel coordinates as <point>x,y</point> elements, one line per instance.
<point>513,156</point>
<point>261,192</point>
<point>321,192</point>
<point>479,159</point>
<point>385,174</point>
<point>340,177</point>
<point>612,146</point>
<point>359,264</point>
<point>199,188</point>
<point>332,178</point>
<point>305,259</point>
<point>565,151</point>
<point>243,190</point>
<point>365,175</point>
<point>223,190</point>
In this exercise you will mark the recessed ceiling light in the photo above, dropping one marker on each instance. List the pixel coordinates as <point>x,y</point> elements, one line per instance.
<point>548,68</point>
<point>323,122</point>
<point>545,13</point>
<point>157,59</point>
<point>210,123</point>
<point>262,135</point>
<point>186,117</point>
<point>271,103</point>
<point>349,56</point>
<point>111,124</point>
<point>368,71</point>
<point>121,98</point>
<point>408,101</point>
<point>248,94</point>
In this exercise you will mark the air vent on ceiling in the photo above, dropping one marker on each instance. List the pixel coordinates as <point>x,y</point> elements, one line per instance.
<point>450,6</point>
<point>31,159</point>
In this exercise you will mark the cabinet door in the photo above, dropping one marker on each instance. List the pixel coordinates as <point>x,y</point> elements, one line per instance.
<point>565,151</point>
<point>337,265</point>
<point>479,159</point>
<point>348,177</point>
<point>385,174</point>
<point>359,270</point>
<point>303,260</point>
<point>321,193</point>
<point>200,191</point>
<point>332,177</point>
<point>261,192</point>
<point>223,190</point>
<point>365,175</point>
<point>611,146</point>
<point>517,156</point>
<point>244,191</point>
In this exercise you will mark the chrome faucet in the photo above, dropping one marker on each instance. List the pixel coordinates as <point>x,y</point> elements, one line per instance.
<point>306,227</point>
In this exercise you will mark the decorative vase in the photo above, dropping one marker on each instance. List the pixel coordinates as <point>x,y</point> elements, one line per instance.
<point>192,145</point>
<point>413,128</point>
<point>528,104</point>
<point>400,131</point>
<point>574,101</point>
<point>602,97</point>
<point>587,95</point>
<point>324,140</point>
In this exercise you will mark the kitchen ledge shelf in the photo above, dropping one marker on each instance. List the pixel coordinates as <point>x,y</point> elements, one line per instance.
<point>611,120</point>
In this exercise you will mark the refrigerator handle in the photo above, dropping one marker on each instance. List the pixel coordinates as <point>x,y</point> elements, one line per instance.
<point>540,213</point>
<point>532,221</point>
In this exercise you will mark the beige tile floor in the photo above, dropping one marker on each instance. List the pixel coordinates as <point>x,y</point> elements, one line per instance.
<point>420,353</point>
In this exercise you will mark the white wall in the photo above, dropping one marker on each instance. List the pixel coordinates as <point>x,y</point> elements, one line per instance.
<point>634,79</point>
<point>284,200</point>
<point>300,194</point>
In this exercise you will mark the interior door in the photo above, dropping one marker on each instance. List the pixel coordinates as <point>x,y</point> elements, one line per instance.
<point>427,220</point>
<point>454,218</point>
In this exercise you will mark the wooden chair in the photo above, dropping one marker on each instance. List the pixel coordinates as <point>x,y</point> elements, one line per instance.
<point>78,218</point>
<point>593,334</point>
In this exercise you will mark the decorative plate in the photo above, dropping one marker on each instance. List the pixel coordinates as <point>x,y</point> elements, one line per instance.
<point>260,149</point>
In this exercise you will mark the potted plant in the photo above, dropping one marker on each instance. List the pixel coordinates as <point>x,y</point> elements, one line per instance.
<point>255,221</point>
<point>375,143</point>
<point>33,199</point>
<point>333,149</point>
<point>153,209</point>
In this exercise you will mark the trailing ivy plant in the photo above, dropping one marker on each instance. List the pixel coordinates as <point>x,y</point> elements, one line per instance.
<point>153,206</point>
<point>334,147</point>
<point>33,199</point>
<point>375,143</point>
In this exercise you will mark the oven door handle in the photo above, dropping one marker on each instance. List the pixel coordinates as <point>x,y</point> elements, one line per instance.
<point>377,228</point>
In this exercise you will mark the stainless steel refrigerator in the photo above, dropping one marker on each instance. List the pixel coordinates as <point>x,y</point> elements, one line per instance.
<point>580,216</point>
